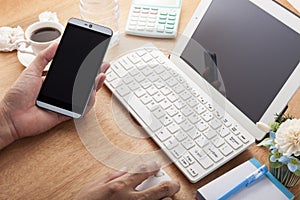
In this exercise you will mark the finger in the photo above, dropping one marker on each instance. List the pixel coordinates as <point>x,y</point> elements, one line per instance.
<point>163,190</point>
<point>100,81</point>
<point>42,59</point>
<point>104,67</point>
<point>167,198</point>
<point>142,172</point>
<point>109,177</point>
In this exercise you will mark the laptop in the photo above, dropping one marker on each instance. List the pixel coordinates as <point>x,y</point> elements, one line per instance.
<point>251,49</point>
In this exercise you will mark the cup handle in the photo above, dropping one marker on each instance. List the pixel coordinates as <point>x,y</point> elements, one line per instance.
<point>19,48</point>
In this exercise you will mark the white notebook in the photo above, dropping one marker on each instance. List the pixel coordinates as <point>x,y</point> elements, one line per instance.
<point>267,188</point>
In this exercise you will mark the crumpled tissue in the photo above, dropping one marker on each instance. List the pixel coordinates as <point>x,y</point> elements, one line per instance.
<point>9,35</point>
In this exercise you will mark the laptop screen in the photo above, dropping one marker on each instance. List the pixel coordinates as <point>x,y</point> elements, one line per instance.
<point>255,53</point>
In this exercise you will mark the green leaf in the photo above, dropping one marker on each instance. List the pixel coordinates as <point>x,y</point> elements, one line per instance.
<point>297,173</point>
<point>276,164</point>
<point>274,126</point>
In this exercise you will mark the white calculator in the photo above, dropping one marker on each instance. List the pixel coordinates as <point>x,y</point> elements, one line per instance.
<point>154,18</point>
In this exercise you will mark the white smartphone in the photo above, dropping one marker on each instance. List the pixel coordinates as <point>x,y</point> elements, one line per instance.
<point>71,77</point>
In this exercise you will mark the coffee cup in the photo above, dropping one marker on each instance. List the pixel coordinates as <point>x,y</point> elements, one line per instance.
<point>39,36</point>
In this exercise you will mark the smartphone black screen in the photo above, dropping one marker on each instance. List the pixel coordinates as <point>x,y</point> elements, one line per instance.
<point>74,67</point>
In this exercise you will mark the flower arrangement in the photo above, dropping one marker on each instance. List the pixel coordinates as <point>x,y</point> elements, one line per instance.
<point>284,147</point>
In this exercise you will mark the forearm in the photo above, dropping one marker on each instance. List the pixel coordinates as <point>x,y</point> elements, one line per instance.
<point>5,132</point>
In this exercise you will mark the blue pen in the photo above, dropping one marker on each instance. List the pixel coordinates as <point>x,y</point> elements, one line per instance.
<point>249,180</point>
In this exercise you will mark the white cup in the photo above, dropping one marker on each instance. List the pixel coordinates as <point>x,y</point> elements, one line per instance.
<point>48,30</point>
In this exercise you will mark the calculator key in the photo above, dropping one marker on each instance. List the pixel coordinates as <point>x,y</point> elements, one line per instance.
<point>171,18</point>
<point>163,12</point>
<point>170,22</point>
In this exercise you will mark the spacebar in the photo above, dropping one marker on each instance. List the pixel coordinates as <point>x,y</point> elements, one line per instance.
<point>145,115</point>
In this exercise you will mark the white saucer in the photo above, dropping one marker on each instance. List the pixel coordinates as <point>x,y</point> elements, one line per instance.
<point>27,58</point>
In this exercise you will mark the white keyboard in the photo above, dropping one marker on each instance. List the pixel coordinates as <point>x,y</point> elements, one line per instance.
<point>196,134</point>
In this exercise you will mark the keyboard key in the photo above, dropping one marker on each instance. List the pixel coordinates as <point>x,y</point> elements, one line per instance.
<point>215,123</point>
<point>179,104</point>
<point>123,90</point>
<point>210,107</point>
<point>192,102</point>
<point>218,141</point>
<point>207,116</point>
<point>180,135</point>
<point>189,158</point>
<point>187,111</point>
<point>152,90</point>
<point>144,113</point>
<point>178,88</point>
<point>188,143</point>
<point>202,141</point>
<point>165,104</point>
<point>202,126</point>
<point>243,138</point>
<point>163,134</point>
<point>172,111</point>
<point>226,150</point>
<point>235,130</point>
<point>147,57</point>
<point>159,113</point>
<point>186,126</point>
<point>194,133</point>
<point>173,128</point>
<point>147,71</point>
<point>178,151</point>
<point>158,97</point>
<point>201,157</point>
<point>194,118</point>
<point>179,118</point>
<point>140,92</point>
<point>210,133</point>
<point>111,76</point>
<point>192,170</point>
<point>166,90</point>
<point>118,69</point>
<point>233,141</point>
<point>213,153</point>
<point>134,58</point>
<point>146,99</point>
<point>166,120</point>
<point>172,97</point>
<point>226,122</point>
<point>183,162</point>
<point>223,131</point>
<point>171,143</point>
<point>185,95</point>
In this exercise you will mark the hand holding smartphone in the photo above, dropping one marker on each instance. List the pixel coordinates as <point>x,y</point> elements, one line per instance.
<point>71,77</point>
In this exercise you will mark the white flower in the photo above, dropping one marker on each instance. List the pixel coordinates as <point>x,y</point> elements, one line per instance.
<point>288,137</point>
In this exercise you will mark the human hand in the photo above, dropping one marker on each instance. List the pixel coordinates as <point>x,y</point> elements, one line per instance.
<point>18,111</point>
<point>121,185</point>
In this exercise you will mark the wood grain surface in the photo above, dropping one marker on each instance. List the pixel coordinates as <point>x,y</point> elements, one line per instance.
<point>56,164</point>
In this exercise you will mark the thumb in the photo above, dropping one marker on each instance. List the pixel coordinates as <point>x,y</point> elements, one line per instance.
<point>42,59</point>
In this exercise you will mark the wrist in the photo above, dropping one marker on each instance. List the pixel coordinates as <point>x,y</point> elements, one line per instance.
<point>6,135</point>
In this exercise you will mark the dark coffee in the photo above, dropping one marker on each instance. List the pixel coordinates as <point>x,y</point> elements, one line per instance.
<point>45,34</point>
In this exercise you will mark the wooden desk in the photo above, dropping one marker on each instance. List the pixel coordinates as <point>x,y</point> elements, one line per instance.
<point>56,165</point>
